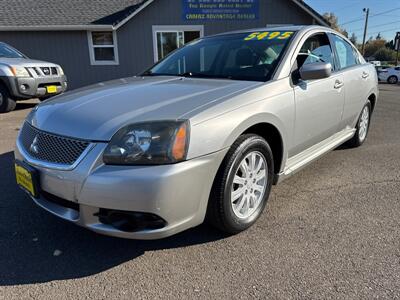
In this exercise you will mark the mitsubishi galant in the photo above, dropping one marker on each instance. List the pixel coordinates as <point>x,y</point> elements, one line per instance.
<point>201,135</point>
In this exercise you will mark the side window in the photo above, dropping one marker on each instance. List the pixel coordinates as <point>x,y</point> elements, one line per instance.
<point>315,49</point>
<point>345,53</point>
<point>357,56</point>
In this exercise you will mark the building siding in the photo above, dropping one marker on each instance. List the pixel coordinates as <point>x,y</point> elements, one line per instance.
<point>135,40</point>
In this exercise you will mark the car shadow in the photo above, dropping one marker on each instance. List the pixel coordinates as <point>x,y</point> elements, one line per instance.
<point>37,247</point>
<point>25,105</point>
<point>344,146</point>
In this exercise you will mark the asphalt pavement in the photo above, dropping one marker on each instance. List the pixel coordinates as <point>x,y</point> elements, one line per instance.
<point>330,231</point>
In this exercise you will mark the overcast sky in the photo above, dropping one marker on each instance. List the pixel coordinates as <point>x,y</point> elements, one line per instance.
<point>384,15</point>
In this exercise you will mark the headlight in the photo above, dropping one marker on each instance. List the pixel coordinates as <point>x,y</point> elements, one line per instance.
<point>159,142</point>
<point>20,72</point>
<point>61,71</point>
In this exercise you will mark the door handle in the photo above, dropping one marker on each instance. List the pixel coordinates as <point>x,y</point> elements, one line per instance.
<point>365,75</point>
<point>338,84</point>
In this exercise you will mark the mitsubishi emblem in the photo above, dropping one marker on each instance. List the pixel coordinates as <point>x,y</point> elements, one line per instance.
<point>34,148</point>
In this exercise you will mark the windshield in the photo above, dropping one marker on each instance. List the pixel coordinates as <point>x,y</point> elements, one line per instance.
<point>244,56</point>
<point>9,52</point>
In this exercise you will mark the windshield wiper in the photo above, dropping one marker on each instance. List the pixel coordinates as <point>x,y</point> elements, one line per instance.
<point>197,75</point>
<point>149,73</point>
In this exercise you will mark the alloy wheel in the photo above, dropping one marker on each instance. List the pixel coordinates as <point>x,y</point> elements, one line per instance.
<point>249,184</point>
<point>364,123</point>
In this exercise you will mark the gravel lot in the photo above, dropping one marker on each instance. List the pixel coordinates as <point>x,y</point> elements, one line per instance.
<point>331,231</point>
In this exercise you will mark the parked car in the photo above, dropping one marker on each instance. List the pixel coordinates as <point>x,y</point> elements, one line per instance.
<point>390,75</point>
<point>376,63</point>
<point>22,78</point>
<point>202,135</point>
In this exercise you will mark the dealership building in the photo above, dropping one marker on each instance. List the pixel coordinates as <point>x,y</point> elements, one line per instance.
<point>99,40</point>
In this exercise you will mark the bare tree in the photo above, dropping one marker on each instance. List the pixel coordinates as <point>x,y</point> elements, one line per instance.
<point>332,19</point>
<point>353,38</point>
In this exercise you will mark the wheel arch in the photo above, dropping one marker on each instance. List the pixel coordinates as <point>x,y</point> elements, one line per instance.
<point>372,98</point>
<point>272,130</point>
<point>272,135</point>
<point>4,83</point>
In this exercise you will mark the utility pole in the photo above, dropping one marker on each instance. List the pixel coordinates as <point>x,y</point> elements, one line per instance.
<point>366,10</point>
<point>397,47</point>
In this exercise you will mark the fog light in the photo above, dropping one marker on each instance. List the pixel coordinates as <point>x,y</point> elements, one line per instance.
<point>23,87</point>
<point>130,221</point>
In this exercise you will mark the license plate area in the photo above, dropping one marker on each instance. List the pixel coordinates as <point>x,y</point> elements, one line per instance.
<point>51,89</point>
<point>27,178</point>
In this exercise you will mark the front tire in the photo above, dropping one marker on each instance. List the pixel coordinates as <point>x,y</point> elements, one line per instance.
<point>7,104</point>
<point>362,127</point>
<point>242,185</point>
<point>393,79</point>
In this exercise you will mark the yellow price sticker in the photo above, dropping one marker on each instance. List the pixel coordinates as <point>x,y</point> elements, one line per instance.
<point>266,35</point>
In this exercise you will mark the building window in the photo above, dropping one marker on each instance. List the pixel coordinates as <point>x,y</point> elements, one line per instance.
<point>103,48</point>
<point>168,38</point>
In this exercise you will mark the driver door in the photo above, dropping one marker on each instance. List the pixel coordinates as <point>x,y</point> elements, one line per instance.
<point>319,103</point>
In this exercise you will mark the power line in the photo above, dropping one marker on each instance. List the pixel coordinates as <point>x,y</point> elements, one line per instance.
<point>384,12</point>
<point>372,16</point>
<point>388,15</point>
<point>381,31</point>
<point>353,21</point>
<point>372,27</point>
<point>376,32</point>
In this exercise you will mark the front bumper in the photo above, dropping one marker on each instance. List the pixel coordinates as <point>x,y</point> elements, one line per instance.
<point>177,193</point>
<point>35,87</point>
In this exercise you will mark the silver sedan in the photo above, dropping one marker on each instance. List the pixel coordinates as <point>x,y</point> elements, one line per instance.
<point>202,135</point>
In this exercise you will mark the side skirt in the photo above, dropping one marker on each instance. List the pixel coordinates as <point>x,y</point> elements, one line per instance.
<point>298,162</point>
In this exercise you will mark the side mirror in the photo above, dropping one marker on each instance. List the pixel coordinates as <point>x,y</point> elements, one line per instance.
<point>318,70</point>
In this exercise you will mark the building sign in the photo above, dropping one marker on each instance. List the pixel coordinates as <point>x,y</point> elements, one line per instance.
<point>224,10</point>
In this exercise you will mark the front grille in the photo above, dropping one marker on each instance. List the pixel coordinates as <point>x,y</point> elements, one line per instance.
<point>36,71</point>
<point>53,71</point>
<point>49,147</point>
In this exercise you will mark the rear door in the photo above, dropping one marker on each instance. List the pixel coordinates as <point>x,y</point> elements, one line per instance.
<point>319,103</point>
<point>356,79</point>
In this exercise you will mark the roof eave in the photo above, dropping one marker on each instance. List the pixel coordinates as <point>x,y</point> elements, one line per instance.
<point>124,21</point>
<point>57,28</point>
<point>312,12</point>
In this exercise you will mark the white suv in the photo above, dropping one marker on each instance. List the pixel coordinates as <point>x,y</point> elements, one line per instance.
<point>391,75</point>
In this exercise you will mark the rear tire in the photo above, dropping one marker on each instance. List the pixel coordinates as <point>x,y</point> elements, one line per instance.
<point>242,186</point>
<point>362,127</point>
<point>393,79</point>
<point>7,104</point>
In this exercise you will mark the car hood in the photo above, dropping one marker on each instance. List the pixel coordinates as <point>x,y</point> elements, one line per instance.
<point>97,112</point>
<point>25,62</point>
